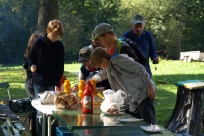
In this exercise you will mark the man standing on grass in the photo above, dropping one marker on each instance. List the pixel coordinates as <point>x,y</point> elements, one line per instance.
<point>143,38</point>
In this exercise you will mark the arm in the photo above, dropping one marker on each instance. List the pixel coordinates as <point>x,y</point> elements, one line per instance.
<point>152,50</point>
<point>100,76</point>
<point>32,56</point>
<point>59,64</point>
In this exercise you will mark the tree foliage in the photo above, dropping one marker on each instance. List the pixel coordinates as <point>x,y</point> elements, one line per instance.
<point>176,24</point>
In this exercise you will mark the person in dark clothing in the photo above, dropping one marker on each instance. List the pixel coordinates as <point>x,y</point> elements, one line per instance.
<point>29,75</point>
<point>46,61</point>
<point>143,38</point>
<point>29,81</point>
<point>87,70</point>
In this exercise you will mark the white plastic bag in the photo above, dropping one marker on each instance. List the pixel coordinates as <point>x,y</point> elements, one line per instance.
<point>47,97</point>
<point>112,101</point>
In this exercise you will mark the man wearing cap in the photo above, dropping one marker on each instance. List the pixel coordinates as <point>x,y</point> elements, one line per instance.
<point>87,70</point>
<point>143,38</point>
<point>106,36</point>
<point>104,32</point>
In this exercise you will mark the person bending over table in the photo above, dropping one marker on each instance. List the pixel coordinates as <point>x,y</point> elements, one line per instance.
<point>130,76</point>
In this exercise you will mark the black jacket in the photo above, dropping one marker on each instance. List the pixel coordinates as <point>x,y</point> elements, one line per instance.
<point>29,79</point>
<point>87,74</point>
<point>48,56</point>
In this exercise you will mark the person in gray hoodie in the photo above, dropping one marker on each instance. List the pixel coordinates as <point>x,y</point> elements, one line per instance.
<point>130,76</point>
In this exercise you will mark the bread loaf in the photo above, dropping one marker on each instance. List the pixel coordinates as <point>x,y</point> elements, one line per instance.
<point>65,101</point>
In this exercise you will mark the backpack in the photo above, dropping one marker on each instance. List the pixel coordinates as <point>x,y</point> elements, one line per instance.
<point>138,52</point>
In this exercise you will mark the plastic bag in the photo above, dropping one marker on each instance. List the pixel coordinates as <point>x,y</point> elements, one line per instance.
<point>47,97</point>
<point>112,101</point>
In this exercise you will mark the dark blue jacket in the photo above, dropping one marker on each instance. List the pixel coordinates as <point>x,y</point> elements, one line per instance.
<point>48,56</point>
<point>146,43</point>
<point>86,74</point>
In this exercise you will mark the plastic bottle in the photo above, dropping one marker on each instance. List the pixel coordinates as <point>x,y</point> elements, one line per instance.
<point>87,99</point>
<point>79,120</point>
<point>93,83</point>
<point>62,83</point>
<point>67,87</point>
<point>81,87</point>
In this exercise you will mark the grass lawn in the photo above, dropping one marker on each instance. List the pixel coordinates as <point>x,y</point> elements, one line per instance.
<point>167,71</point>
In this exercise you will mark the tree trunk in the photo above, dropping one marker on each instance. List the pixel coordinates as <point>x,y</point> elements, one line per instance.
<point>48,11</point>
<point>179,30</point>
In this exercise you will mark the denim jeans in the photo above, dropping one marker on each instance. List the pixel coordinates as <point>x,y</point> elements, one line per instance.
<point>41,89</point>
<point>145,109</point>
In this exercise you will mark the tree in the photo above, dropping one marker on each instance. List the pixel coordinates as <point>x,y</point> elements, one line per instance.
<point>48,11</point>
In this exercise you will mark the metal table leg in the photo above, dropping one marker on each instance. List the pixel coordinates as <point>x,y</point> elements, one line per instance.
<point>43,124</point>
<point>49,124</point>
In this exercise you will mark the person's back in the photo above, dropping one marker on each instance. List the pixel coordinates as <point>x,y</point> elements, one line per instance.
<point>143,38</point>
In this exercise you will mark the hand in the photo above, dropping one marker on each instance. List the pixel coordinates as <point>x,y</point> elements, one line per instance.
<point>151,92</point>
<point>33,68</point>
<point>75,88</point>
<point>155,60</point>
<point>57,89</point>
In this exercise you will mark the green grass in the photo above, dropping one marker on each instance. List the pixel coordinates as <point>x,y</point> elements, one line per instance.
<point>167,71</point>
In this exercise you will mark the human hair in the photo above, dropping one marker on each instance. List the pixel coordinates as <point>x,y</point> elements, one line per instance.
<point>30,43</point>
<point>55,26</point>
<point>97,54</point>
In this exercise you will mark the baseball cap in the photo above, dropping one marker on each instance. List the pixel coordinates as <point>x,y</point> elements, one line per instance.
<point>136,19</point>
<point>85,53</point>
<point>102,28</point>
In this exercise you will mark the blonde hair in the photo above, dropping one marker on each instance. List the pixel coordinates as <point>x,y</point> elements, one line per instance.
<point>97,54</point>
<point>30,42</point>
<point>55,26</point>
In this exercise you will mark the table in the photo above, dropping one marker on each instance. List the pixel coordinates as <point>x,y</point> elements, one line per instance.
<point>47,113</point>
<point>80,123</point>
<point>120,131</point>
<point>188,108</point>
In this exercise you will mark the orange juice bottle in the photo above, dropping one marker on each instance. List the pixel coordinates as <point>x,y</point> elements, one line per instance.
<point>93,83</point>
<point>67,87</point>
<point>81,87</point>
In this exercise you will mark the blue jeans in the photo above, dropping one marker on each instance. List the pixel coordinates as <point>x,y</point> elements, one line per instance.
<point>41,89</point>
<point>145,109</point>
